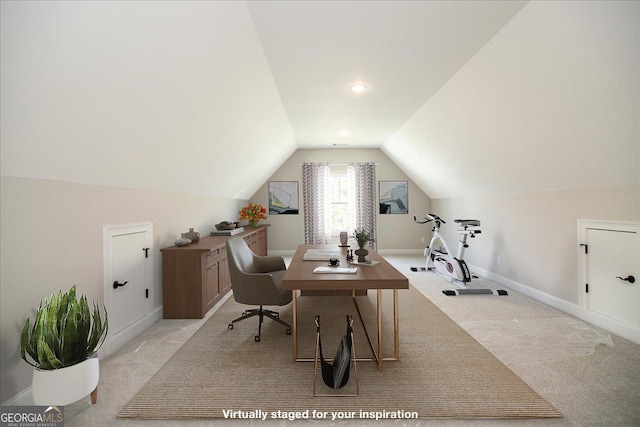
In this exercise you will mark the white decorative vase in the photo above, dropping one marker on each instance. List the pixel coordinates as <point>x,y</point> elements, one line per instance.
<point>182,240</point>
<point>60,387</point>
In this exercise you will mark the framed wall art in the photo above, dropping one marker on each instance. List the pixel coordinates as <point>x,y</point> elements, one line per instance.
<point>283,198</point>
<point>394,197</point>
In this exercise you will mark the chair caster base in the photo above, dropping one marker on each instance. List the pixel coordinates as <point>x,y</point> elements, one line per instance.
<point>262,314</point>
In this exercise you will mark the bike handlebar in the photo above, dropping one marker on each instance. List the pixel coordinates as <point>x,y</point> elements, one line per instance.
<point>429,218</point>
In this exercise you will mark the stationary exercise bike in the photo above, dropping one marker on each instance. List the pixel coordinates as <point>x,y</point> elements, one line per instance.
<point>440,259</point>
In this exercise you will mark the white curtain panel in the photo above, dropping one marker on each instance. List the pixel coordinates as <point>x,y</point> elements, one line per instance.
<point>363,204</point>
<point>316,181</point>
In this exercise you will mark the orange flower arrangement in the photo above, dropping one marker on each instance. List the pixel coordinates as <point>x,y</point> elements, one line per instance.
<point>253,212</point>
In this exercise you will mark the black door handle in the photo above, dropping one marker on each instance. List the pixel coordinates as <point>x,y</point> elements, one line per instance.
<point>116,285</point>
<point>629,279</point>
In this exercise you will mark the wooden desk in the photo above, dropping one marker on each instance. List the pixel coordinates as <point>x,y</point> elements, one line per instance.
<point>300,276</point>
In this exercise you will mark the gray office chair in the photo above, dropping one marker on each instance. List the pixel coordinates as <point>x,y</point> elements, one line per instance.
<point>256,280</point>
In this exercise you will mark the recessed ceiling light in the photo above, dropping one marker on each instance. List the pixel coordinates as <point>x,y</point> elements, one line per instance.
<point>344,132</point>
<point>358,88</point>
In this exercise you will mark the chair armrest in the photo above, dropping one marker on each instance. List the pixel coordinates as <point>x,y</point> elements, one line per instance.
<point>266,264</point>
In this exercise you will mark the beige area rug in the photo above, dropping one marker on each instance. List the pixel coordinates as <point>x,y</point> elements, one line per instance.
<point>442,373</point>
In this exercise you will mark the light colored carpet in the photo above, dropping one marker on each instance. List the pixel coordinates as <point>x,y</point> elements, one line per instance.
<point>443,371</point>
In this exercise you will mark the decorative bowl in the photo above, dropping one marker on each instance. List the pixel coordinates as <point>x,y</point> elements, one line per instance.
<point>225,225</point>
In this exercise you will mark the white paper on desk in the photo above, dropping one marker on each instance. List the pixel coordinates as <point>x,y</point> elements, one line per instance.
<point>336,270</point>
<point>320,255</point>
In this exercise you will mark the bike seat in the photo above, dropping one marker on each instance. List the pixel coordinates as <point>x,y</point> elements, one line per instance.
<point>467,222</point>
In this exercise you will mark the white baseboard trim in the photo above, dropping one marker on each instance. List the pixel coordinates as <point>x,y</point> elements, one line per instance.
<point>116,341</point>
<point>380,251</point>
<point>604,322</point>
<point>401,251</point>
<point>24,398</point>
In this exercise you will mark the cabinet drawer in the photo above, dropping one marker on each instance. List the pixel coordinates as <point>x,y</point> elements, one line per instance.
<point>211,258</point>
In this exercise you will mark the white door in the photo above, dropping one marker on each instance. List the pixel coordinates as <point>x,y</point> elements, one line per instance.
<point>129,288</point>
<point>612,266</point>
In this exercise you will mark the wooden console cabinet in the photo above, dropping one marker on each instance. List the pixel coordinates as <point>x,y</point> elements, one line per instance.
<point>196,277</point>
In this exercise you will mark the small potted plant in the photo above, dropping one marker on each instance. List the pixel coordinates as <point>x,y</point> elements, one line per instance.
<point>62,346</point>
<point>362,237</point>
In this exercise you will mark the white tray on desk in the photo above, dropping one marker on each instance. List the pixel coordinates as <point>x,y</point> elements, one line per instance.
<point>365,264</point>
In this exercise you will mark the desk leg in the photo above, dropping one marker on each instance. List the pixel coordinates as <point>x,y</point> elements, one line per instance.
<point>396,325</point>
<point>294,324</point>
<point>379,309</point>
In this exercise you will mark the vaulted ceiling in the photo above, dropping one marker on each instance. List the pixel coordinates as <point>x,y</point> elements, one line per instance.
<point>403,51</point>
<point>466,97</point>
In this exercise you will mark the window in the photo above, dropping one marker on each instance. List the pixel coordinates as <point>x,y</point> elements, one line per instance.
<point>338,198</point>
<point>339,202</point>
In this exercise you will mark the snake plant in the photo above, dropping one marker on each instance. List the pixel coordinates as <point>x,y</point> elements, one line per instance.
<point>64,333</point>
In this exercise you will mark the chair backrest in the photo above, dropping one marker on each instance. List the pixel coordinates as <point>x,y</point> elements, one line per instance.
<point>251,279</point>
<point>240,255</point>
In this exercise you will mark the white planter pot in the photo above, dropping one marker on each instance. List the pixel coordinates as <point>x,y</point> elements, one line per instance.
<point>60,387</point>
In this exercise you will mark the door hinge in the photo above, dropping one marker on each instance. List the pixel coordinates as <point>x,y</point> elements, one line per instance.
<point>146,293</point>
<point>146,252</point>
<point>586,287</point>
<point>586,248</point>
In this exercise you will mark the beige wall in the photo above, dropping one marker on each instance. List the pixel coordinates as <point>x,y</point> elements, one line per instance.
<point>51,239</point>
<point>535,234</point>
<point>395,232</point>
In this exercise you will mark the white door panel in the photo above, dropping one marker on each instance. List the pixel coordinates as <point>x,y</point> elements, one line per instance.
<point>128,266</point>
<point>613,254</point>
